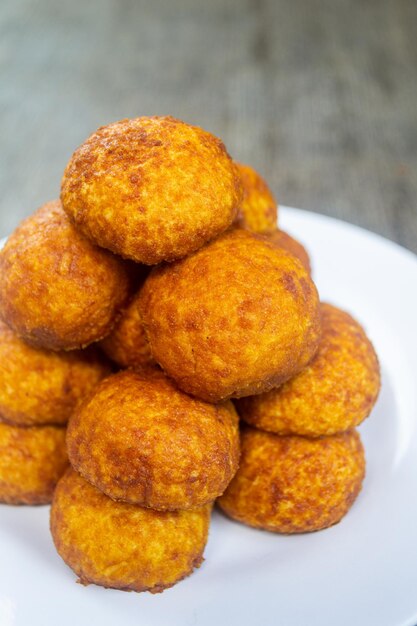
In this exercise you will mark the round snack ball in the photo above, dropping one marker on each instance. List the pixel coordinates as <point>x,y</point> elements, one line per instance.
<point>44,387</point>
<point>57,290</point>
<point>258,211</point>
<point>238,317</point>
<point>284,240</point>
<point>127,344</point>
<point>140,440</point>
<point>294,484</point>
<point>335,392</point>
<point>32,460</point>
<point>151,188</point>
<point>119,545</point>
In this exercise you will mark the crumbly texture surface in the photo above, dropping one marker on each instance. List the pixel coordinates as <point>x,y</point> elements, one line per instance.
<point>238,317</point>
<point>123,546</point>
<point>32,460</point>
<point>141,440</point>
<point>44,387</point>
<point>127,345</point>
<point>58,291</point>
<point>294,484</point>
<point>258,211</point>
<point>283,240</point>
<point>335,392</point>
<point>151,188</point>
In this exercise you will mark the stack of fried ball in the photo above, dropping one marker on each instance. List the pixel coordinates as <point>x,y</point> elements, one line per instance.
<point>226,323</point>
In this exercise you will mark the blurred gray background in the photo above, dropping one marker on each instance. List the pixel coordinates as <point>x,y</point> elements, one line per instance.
<point>319,96</point>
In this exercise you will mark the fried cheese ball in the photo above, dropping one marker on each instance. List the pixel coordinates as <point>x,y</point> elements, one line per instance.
<point>32,460</point>
<point>335,392</point>
<point>258,211</point>
<point>58,291</point>
<point>294,484</point>
<point>283,240</point>
<point>122,546</point>
<point>237,318</point>
<point>141,440</point>
<point>127,344</point>
<point>44,387</point>
<point>151,188</point>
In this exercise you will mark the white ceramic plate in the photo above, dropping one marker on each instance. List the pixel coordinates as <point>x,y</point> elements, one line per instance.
<point>361,572</point>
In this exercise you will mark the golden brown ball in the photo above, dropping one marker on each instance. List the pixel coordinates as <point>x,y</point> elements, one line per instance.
<point>151,188</point>
<point>119,545</point>
<point>57,290</point>
<point>258,211</point>
<point>236,318</point>
<point>127,344</point>
<point>44,387</point>
<point>283,240</point>
<point>141,440</point>
<point>294,484</point>
<point>335,392</point>
<point>32,460</point>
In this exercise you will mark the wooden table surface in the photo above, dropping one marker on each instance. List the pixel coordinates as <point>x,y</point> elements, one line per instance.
<point>320,96</point>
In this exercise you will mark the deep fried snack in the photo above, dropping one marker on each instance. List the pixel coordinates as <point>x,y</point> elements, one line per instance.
<point>119,545</point>
<point>283,240</point>
<point>57,290</point>
<point>141,440</point>
<point>294,484</point>
<point>237,318</point>
<point>127,344</point>
<point>258,211</point>
<point>32,460</point>
<point>335,392</point>
<point>44,387</point>
<point>151,188</point>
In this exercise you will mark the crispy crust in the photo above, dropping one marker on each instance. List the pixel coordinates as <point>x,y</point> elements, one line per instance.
<point>58,291</point>
<point>284,240</point>
<point>237,318</point>
<point>151,188</point>
<point>141,440</point>
<point>31,462</point>
<point>335,392</point>
<point>43,387</point>
<point>127,344</point>
<point>294,484</point>
<point>122,546</point>
<point>258,211</point>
